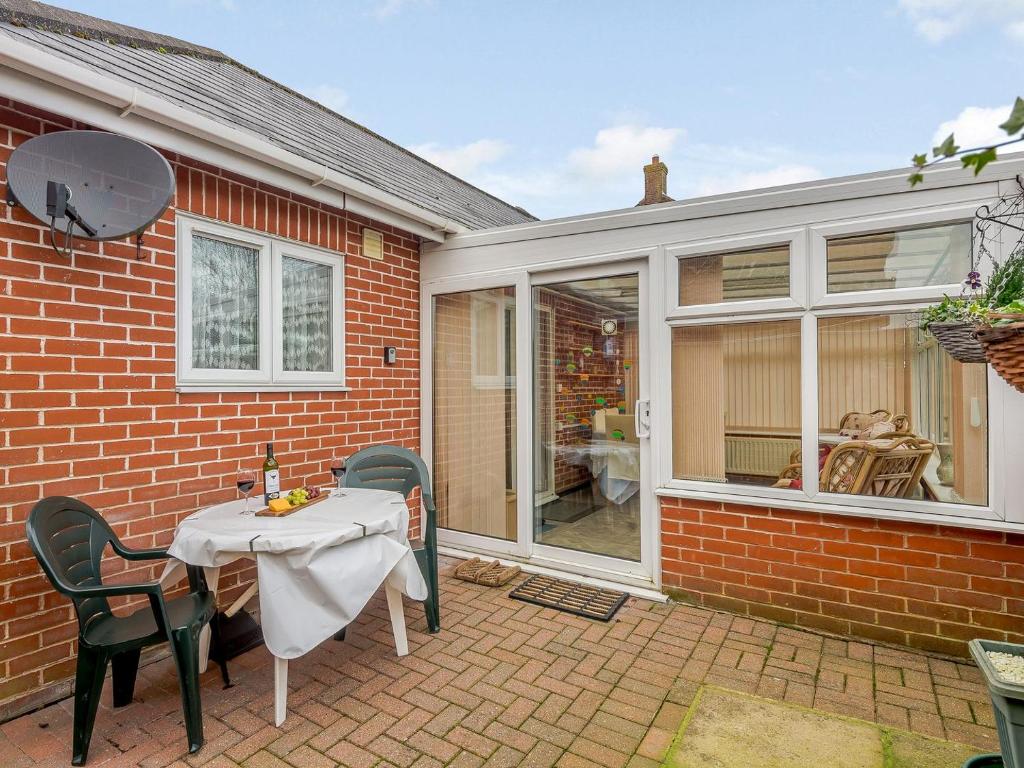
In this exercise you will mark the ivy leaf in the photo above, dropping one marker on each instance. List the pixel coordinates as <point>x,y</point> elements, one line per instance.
<point>915,179</point>
<point>1016,120</point>
<point>947,148</point>
<point>920,160</point>
<point>979,159</point>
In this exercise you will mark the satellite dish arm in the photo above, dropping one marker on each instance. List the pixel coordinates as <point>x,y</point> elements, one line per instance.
<point>58,206</point>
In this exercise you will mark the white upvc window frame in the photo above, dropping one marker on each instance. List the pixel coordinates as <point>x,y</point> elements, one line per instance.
<point>821,234</point>
<point>269,376</point>
<point>502,378</point>
<point>285,248</point>
<point>795,239</point>
<point>808,303</point>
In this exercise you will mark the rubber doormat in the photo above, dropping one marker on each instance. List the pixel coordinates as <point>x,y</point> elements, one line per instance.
<point>579,599</point>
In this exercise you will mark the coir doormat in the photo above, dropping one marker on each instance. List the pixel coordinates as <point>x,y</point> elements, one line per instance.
<point>579,599</point>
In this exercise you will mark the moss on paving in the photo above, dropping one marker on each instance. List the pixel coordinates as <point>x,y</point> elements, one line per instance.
<point>727,729</point>
<point>910,750</point>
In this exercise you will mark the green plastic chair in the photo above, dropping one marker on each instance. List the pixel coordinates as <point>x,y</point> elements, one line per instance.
<point>394,468</point>
<point>68,538</point>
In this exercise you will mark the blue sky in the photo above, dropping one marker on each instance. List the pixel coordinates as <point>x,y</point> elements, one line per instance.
<point>555,106</point>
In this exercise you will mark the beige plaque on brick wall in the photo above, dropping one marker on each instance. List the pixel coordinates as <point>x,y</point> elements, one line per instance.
<point>373,244</point>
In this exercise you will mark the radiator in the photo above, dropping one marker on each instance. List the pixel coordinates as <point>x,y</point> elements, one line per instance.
<point>757,454</point>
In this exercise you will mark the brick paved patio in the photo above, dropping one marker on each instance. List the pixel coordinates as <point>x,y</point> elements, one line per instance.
<point>507,684</point>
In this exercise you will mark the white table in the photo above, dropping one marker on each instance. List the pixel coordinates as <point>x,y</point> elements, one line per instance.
<point>614,463</point>
<point>317,567</point>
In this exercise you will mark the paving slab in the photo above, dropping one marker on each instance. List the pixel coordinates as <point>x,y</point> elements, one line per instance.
<point>732,730</point>
<point>910,750</point>
<point>729,729</point>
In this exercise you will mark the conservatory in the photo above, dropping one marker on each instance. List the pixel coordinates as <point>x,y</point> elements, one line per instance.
<point>728,396</point>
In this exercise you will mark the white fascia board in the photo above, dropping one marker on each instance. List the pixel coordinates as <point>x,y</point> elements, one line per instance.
<point>877,184</point>
<point>57,84</point>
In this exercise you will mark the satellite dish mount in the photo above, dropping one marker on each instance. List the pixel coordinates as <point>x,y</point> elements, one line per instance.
<point>58,206</point>
<point>120,186</point>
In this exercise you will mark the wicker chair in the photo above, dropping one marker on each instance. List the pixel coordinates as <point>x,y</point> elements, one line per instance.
<point>891,468</point>
<point>855,421</point>
<point>900,428</point>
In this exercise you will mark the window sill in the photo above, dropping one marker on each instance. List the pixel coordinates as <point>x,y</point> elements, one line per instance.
<point>208,387</point>
<point>984,519</point>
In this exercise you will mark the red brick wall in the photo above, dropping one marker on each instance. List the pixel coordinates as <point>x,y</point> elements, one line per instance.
<point>576,325</point>
<point>928,586</point>
<point>87,352</point>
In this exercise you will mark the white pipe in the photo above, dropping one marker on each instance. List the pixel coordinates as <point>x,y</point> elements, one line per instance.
<point>32,61</point>
<point>130,107</point>
<point>322,179</point>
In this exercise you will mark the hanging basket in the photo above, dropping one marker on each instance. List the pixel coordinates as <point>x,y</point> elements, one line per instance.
<point>1004,348</point>
<point>959,341</point>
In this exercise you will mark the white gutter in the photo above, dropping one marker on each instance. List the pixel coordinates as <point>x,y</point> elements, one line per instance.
<point>129,100</point>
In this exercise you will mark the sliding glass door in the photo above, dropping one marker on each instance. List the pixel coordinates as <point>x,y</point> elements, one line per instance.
<point>539,421</point>
<point>474,412</point>
<point>586,363</point>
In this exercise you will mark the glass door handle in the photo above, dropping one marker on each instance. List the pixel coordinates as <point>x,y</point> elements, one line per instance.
<point>642,418</point>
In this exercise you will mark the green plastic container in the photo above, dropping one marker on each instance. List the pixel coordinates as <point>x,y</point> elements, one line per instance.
<point>1007,701</point>
<point>985,761</point>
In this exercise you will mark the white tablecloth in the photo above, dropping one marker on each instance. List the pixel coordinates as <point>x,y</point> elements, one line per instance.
<point>615,464</point>
<point>317,567</point>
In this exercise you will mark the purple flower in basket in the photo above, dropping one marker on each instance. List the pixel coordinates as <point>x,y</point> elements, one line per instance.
<point>973,280</point>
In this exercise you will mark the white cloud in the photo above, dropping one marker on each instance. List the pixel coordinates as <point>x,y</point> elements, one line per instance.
<point>771,177</point>
<point>466,160</point>
<point>938,20</point>
<point>384,9</point>
<point>331,96</point>
<point>607,173</point>
<point>621,150</point>
<point>974,127</point>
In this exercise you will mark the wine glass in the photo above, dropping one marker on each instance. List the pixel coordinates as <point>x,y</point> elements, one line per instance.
<point>245,480</point>
<point>338,470</point>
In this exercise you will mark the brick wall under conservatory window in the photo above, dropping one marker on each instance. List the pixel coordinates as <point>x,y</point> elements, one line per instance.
<point>923,585</point>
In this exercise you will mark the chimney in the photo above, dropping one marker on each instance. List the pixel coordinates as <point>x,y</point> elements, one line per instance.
<point>655,183</point>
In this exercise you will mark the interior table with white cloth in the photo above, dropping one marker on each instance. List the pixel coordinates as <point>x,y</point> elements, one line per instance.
<point>317,567</point>
<point>612,455</point>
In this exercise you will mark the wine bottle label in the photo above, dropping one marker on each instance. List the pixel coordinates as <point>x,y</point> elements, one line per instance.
<point>272,484</point>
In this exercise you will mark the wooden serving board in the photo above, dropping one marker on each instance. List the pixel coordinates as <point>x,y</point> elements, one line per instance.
<point>268,512</point>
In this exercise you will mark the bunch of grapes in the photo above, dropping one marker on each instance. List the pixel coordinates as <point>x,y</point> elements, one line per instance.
<point>300,496</point>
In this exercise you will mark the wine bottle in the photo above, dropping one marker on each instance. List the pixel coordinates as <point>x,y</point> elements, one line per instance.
<point>271,476</point>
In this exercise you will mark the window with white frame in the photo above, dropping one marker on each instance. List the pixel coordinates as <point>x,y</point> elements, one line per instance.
<point>755,273</point>
<point>492,321</point>
<point>831,379</point>
<point>256,311</point>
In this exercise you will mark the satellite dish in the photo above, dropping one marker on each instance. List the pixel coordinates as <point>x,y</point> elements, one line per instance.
<point>90,184</point>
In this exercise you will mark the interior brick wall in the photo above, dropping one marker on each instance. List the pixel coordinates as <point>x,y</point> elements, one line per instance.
<point>576,325</point>
<point>87,386</point>
<point>922,585</point>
